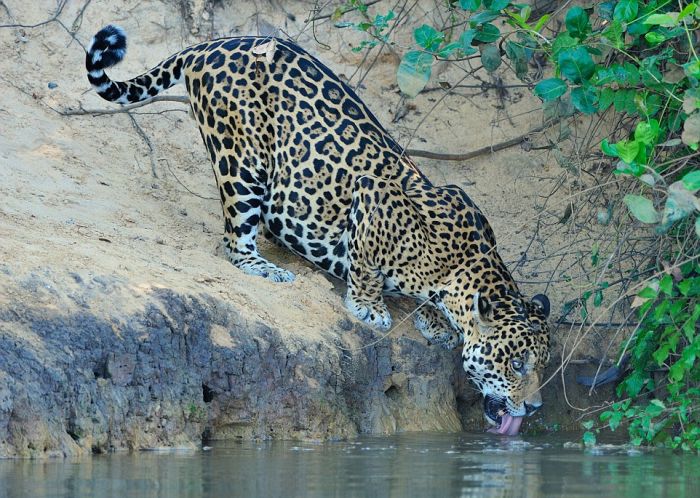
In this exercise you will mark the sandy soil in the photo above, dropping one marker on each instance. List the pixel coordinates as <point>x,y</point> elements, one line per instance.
<point>78,193</point>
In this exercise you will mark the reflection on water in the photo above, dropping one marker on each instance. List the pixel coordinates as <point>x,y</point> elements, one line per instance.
<point>408,465</point>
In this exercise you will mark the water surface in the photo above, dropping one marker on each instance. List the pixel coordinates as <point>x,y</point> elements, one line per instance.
<point>420,465</point>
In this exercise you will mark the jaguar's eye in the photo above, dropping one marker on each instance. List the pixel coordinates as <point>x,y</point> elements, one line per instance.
<point>517,364</point>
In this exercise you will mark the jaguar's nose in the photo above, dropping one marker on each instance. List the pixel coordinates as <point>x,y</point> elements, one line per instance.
<point>530,409</point>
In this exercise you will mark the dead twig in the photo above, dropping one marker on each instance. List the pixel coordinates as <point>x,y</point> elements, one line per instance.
<point>483,150</point>
<point>144,137</point>
<point>59,10</point>
<point>184,99</point>
<point>167,164</point>
<point>342,12</point>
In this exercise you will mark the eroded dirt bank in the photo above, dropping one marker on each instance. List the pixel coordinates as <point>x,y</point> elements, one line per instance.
<point>167,368</point>
<point>121,324</point>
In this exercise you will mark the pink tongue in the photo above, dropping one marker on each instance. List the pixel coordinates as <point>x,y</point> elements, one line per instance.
<point>509,425</point>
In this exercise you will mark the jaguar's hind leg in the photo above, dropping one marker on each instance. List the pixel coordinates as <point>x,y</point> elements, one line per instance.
<point>365,279</point>
<point>433,325</point>
<point>242,192</point>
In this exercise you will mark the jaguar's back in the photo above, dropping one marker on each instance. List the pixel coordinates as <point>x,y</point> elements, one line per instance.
<point>288,139</point>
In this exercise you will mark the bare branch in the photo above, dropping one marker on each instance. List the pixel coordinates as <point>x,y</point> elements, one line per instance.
<point>479,152</point>
<point>183,99</point>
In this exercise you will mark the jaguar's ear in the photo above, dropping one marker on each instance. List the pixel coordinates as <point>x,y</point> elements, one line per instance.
<point>483,313</point>
<point>542,302</point>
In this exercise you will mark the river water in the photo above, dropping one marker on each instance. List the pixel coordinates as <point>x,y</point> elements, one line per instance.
<point>421,465</point>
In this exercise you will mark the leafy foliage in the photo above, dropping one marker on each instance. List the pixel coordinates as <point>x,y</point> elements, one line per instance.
<point>636,61</point>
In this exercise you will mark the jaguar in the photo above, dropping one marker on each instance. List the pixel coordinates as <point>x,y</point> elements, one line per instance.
<point>294,149</point>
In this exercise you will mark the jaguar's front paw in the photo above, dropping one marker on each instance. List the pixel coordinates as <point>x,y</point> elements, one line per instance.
<point>253,264</point>
<point>454,341</point>
<point>270,271</point>
<point>375,314</point>
<point>435,329</point>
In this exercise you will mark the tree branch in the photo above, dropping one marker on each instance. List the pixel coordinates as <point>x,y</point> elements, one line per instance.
<point>184,99</point>
<point>479,152</point>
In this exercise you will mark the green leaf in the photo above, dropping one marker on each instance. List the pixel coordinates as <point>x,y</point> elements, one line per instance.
<point>584,99</point>
<point>647,132</point>
<point>428,37</point>
<point>490,57</point>
<point>519,20</point>
<point>666,285</point>
<point>496,5</point>
<point>648,179</point>
<point>577,22</point>
<point>516,53</point>
<point>637,28</point>
<point>689,9</point>
<point>588,424</point>
<point>668,20</point>
<point>614,34</point>
<point>615,419</point>
<point>605,98</point>
<point>525,12</point>
<point>691,129</point>
<point>651,291</point>
<point>466,39</point>
<point>676,372</point>
<point>680,204</point>
<point>635,169</point>
<point>470,4</point>
<point>483,17</point>
<point>627,150</point>
<point>655,408</point>
<point>691,100</point>
<point>661,354</point>
<point>654,38</point>
<point>449,49</point>
<point>598,298</point>
<point>691,180</point>
<point>414,72</point>
<point>621,74</point>
<point>641,208</point>
<point>608,149</point>
<point>692,69</point>
<point>634,383</point>
<point>382,22</point>
<point>690,286</point>
<point>624,101</point>
<point>576,64</point>
<point>562,42</point>
<point>543,20</point>
<point>550,89</point>
<point>626,10</point>
<point>595,254</point>
<point>697,226</point>
<point>589,438</point>
<point>487,33</point>
<point>648,103</point>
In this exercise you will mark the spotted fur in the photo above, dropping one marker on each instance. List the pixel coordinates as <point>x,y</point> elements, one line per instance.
<point>292,146</point>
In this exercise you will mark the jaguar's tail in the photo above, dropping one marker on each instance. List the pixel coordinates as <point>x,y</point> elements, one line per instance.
<point>108,48</point>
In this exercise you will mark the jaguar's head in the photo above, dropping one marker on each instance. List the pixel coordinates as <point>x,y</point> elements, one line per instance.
<point>505,352</point>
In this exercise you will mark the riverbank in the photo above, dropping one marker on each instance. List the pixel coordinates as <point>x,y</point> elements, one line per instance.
<point>122,326</point>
